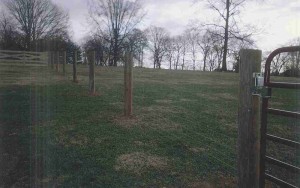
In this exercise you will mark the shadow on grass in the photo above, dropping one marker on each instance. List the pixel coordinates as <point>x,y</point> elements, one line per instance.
<point>30,152</point>
<point>15,121</point>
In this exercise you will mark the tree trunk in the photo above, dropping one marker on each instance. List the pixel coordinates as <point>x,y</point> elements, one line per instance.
<point>177,61</point>
<point>155,59</point>
<point>75,68</point>
<point>194,60</point>
<point>204,61</point>
<point>110,61</point>
<point>116,48</point>
<point>297,60</point>
<point>224,64</point>
<point>142,60</point>
<point>92,72</point>
<point>110,54</point>
<point>28,43</point>
<point>115,58</point>
<point>158,62</point>
<point>139,58</point>
<point>182,63</point>
<point>194,64</point>
<point>64,62</point>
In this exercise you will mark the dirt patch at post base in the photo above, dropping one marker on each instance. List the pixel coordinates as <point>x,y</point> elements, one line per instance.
<point>139,162</point>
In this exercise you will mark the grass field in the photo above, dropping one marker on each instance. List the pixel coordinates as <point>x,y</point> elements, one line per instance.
<point>183,132</point>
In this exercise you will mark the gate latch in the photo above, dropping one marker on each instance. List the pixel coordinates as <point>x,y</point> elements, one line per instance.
<point>258,80</point>
<point>259,88</point>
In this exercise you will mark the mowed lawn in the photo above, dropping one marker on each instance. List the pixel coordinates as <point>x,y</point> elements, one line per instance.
<point>183,132</point>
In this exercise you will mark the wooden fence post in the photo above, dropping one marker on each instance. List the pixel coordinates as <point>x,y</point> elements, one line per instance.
<point>64,62</point>
<point>75,67</point>
<point>128,84</point>
<point>92,73</point>
<point>57,61</point>
<point>248,120</point>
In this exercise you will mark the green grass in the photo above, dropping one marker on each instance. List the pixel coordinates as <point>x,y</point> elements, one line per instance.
<point>183,132</point>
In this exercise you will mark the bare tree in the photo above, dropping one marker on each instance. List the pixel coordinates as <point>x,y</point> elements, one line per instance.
<point>292,66</point>
<point>295,56</point>
<point>158,40</point>
<point>192,38</point>
<point>218,48</point>
<point>278,63</point>
<point>170,51</point>
<point>37,19</point>
<point>137,41</point>
<point>227,11</point>
<point>178,48</point>
<point>115,19</point>
<point>212,59</point>
<point>234,47</point>
<point>100,46</point>
<point>184,43</point>
<point>205,43</point>
<point>9,38</point>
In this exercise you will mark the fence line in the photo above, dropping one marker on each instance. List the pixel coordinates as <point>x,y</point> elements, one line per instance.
<point>23,56</point>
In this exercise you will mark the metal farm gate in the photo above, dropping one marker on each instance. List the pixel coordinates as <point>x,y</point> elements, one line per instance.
<point>268,85</point>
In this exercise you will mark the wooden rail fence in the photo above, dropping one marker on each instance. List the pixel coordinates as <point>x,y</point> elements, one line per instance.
<point>23,56</point>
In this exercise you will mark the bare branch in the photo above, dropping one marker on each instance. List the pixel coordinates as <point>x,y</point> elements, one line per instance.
<point>38,19</point>
<point>116,19</point>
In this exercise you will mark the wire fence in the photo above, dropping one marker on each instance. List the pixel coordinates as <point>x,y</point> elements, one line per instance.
<point>191,116</point>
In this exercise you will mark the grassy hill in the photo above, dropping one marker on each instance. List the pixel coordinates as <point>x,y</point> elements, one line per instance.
<point>183,132</point>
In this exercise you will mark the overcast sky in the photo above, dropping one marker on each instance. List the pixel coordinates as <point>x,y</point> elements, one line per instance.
<point>278,20</point>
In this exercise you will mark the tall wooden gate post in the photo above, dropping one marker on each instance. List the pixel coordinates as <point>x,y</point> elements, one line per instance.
<point>75,67</point>
<point>92,73</point>
<point>128,84</point>
<point>248,120</point>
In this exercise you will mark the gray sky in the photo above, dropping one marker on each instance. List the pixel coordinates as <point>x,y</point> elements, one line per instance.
<point>279,20</point>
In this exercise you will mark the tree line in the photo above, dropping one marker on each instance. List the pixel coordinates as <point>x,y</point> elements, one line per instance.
<point>116,24</point>
<point>35,25</point>
<point>286,64</point>
<point>41,25</point>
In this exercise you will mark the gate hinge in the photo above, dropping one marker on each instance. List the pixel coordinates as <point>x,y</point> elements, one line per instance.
<point>264,92</point>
